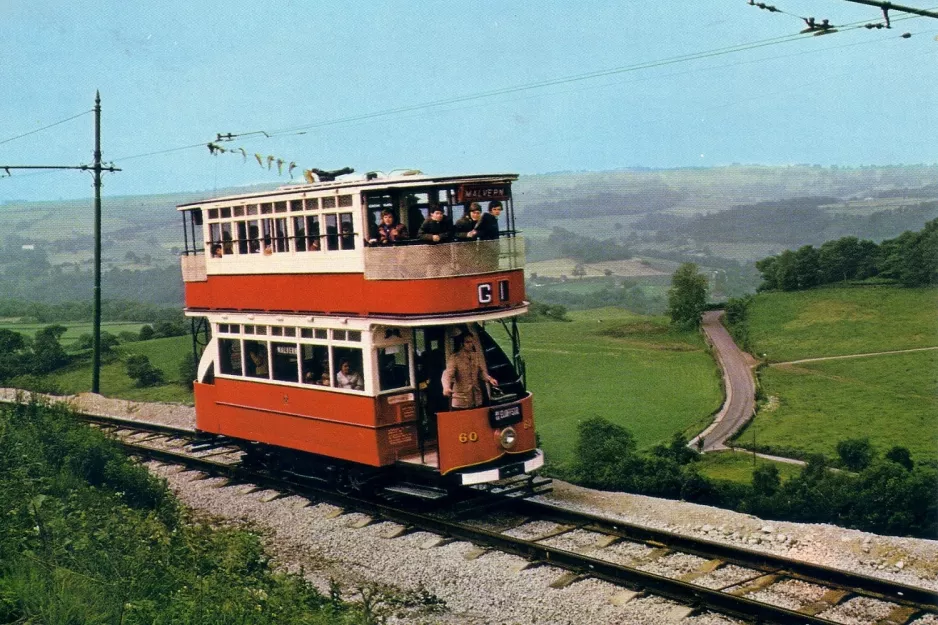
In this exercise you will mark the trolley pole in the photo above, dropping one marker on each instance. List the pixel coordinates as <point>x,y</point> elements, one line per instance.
<point>96,341</point>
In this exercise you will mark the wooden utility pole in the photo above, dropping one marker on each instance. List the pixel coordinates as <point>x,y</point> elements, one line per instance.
<point>97,167</point>
<point>96,337</point>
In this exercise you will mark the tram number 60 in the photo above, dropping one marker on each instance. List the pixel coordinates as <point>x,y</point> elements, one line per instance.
<point>468,437</point>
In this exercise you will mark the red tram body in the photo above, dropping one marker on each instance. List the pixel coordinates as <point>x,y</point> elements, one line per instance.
<point>288,284</point>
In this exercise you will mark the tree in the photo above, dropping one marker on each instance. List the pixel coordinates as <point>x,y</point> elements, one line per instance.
<point>766,480</point>
<point>602,451</point>
<point>140,369</point>
<point>146,333</point>
<point>807,267</point>
<point>12,347</point>
<point>687,296</point>
<point>48,353</point>
<point>188,370</point>
<point>855,453</point>
<point>901,456</point>
<point>579,271</point>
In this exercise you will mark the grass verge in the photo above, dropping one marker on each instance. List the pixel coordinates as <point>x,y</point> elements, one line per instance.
<point>890,399</point>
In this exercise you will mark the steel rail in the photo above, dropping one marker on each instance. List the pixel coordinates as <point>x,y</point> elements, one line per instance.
<point>912,596</point>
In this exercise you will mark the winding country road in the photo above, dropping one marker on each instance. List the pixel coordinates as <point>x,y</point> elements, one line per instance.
<point>738,381</point>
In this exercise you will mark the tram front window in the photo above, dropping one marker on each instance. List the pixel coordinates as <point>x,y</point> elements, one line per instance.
<point>393,367</point>
<point>229,352</point>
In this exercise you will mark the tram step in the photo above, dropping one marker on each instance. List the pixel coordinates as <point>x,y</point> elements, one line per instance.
<point>428,493</point>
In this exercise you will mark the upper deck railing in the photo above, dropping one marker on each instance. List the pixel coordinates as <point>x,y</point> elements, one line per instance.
<point>410,260</point>
<point>443,260</point>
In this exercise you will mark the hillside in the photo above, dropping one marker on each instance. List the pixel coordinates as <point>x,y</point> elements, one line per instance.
<point>828,395</point>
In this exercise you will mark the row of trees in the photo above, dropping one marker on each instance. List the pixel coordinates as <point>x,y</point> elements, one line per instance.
<point>889,494</point>
<point>81,310</point>
<point>911,259</point>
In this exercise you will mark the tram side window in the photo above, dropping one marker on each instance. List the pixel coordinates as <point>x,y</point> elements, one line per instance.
<point>280,233</point>
<point>347,230</point>
<point>256,360</point>
<point>229,356</point>
<point>214,235</point>
<point>393,367</point>
<point>315,363</point>
<point>306,229</point>
<point>227,244</point>
<point>286,368</point>
<point>350,376</point>
<point>248,237</point>
<point>267,229</point>
<point>332,231</point>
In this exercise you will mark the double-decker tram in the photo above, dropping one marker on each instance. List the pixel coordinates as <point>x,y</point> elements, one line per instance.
<point>337,350</point>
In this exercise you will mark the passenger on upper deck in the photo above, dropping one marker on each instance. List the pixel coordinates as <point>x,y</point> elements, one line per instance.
<point>467,228</point>
<point>390,233</point>
<point>216,251</point>
<point>437,228</point>
<point>488,227</point>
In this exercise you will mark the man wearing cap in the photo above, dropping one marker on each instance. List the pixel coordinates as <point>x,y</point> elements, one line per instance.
<point>488,225</point>
<point>437,228</point>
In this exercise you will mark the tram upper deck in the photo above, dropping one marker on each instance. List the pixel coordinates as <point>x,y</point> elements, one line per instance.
<point>314,248</point>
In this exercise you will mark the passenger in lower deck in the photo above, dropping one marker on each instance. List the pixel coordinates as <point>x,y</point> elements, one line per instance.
<point>465,375</point>
<point>347,378</point>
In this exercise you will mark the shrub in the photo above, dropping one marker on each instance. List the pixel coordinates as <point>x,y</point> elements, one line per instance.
<point>188,370</point>
<point>140,369</point>
<point>766,480</point>
<point>855,453</point>
<point>901,456</point>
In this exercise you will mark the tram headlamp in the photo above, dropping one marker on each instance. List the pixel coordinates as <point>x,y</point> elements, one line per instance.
<point>508,438</point>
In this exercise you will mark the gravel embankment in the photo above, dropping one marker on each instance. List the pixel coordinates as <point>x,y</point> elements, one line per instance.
<point>498,588</point>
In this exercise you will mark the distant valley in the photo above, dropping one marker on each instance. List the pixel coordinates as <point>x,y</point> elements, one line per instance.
<point>624,229</point>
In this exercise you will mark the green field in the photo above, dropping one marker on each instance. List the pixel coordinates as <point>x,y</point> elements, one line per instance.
<point>75,329</point>
<point>738,467</point>
<point>838,321</point>
<point>639,375</point>
<point>164,354</point>
<point>891,399</point>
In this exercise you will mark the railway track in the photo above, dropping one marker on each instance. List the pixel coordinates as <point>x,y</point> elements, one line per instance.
<point>699,574</point>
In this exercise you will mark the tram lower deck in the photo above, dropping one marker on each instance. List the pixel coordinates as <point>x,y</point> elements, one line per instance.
<point>368,393</point>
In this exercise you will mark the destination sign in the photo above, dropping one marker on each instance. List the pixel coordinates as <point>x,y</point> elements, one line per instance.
<point>500,416</point>
<point>482,192</point>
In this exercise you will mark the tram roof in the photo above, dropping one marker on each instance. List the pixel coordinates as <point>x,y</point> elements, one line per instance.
<point>359,182</point>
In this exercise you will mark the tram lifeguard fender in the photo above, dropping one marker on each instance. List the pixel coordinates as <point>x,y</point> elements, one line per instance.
<point>467,439</point>
<point>350,293</point>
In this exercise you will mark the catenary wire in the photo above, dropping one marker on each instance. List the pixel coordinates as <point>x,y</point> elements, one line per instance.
<point>32,132</point>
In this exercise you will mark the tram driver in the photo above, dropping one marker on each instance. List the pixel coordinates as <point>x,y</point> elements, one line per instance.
<point>465,374</point>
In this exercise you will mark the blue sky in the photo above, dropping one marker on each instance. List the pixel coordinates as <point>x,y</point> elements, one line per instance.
<point>173,74</point>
